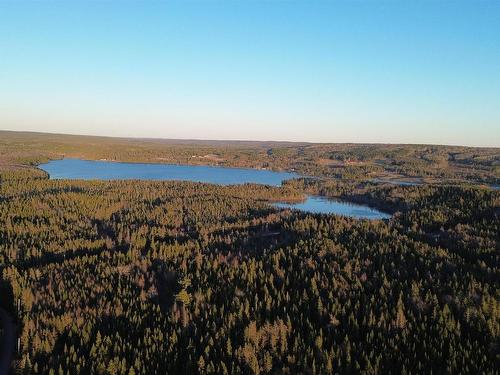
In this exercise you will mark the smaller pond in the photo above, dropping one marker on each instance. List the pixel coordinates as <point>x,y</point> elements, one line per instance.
<point>322,205</point>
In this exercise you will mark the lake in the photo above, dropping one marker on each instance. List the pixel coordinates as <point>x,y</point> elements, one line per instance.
<point>322,205</point>
<point>108,170</point>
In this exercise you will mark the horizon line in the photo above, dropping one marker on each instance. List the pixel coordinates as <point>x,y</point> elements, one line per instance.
<point>241,140</point>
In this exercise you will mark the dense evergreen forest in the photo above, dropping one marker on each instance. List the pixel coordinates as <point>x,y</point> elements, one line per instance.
<point>138,277</point>
<point>143,277</point>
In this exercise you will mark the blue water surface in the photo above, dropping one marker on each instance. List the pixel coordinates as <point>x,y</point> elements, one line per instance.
<point>107,170</point>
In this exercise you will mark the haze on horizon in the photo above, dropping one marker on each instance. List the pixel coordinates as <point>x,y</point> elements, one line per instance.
<point>346,71</point>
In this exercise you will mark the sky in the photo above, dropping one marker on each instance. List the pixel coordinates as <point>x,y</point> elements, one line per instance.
<point>320,71</point>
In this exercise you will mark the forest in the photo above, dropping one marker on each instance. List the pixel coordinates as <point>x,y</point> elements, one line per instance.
<point>151,277</point>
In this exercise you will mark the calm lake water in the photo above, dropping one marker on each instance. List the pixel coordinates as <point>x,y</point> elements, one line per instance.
<point>324,205</point>
<point>107,170</point>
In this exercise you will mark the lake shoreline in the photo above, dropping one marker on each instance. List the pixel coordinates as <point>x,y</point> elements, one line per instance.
<point>80,169</point>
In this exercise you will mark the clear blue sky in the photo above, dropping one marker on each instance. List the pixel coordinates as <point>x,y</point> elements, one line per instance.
<point>332,71</point>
